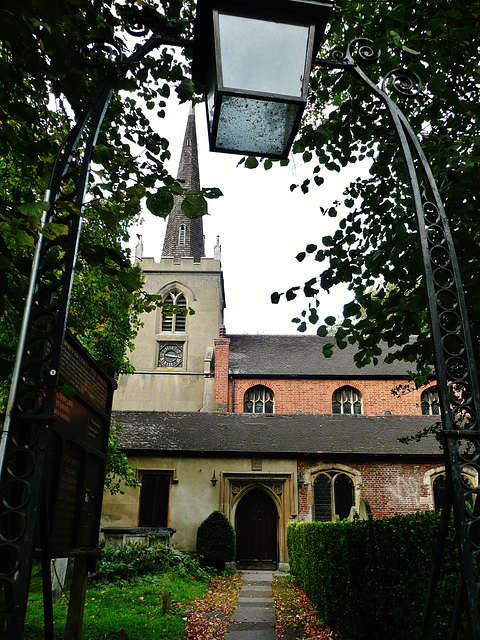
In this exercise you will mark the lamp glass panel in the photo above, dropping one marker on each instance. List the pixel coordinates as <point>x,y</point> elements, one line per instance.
<point>261,55</point>
<point>257,127</point>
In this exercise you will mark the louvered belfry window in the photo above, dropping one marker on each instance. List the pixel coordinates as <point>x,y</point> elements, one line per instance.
<point>182,232</point>
<point>347,400</point>
<point>175,322</point>
<point>258,399</point>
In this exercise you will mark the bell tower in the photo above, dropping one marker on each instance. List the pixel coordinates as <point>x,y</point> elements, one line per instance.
<point>173,354</point>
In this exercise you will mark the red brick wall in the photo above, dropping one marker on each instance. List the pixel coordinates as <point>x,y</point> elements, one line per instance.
<point>315,396</point>
<point>391,488</point>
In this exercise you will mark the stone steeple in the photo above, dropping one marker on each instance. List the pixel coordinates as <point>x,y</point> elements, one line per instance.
<point>184,237</point>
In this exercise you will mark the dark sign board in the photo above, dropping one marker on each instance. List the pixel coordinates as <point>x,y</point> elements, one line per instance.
<point>78,452</point>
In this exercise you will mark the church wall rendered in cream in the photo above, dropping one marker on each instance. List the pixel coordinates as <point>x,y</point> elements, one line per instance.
<point>193,497</point>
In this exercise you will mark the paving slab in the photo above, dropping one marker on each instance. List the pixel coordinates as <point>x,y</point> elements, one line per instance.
<point>255,610</point>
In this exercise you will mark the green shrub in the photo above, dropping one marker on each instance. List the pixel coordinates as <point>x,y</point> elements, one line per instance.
<point>216,541</point>
<point>117,565</point>
<point>369,578</point>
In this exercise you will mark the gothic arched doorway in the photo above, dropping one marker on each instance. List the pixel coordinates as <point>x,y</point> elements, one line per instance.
<point>256,522</point>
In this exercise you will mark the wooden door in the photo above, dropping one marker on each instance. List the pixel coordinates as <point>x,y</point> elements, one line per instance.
<point>154,500</point>
<point>256,526</point>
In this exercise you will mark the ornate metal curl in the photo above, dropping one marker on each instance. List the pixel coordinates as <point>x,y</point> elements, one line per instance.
<point>98,53</point>
<point>136,24</point>
<point>455,370</point>
<point>403,82</point>
<point>339,58</point>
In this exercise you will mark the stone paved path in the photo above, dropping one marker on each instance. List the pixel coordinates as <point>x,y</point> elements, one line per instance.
<point>255,611</point>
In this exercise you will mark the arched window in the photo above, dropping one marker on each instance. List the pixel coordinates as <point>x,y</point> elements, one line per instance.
<point>430,403</point>
<point>258,399</point>
<point>347,400</point>
<point>175,322</point>
<point>333,495</point>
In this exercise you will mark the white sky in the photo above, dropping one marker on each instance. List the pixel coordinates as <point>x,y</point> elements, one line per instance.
<point>262,226</point>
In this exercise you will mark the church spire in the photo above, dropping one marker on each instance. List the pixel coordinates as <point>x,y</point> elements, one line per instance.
<point>184,237</point>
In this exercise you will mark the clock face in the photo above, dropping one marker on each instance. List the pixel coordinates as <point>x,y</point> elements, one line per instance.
<point>170,354</point>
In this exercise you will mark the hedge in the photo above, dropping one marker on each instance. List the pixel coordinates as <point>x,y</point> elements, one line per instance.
<point>368,579</point>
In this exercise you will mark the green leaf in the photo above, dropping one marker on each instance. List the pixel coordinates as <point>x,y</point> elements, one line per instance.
<point>211,193</point>
<point>290,294</point>
<point>194,205</point>
<point>330,320</point>
<point>309,290</point>
<point>185,90</point>
<point>94,255</point>
<point>275,297</point>
<point>351,309</point>
<point>34,208</point>
<point>327,350</point>
<point>161,202</point>
<point>301,256</point>
<point>129,280</point>
<point>251,162</point>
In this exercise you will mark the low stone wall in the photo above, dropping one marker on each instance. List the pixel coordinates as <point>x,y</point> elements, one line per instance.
<point>120,536</point>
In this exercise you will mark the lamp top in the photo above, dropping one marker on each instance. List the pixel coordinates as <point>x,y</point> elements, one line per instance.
<point>316,11</point>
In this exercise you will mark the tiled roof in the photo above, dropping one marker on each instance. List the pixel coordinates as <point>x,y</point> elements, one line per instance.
<point>272,435</point>
<point>270,355</point>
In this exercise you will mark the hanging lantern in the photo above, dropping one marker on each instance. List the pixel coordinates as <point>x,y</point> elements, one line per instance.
<point>255,58</point>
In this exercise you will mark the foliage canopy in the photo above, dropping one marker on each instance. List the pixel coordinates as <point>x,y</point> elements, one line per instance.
<point>375,248</point>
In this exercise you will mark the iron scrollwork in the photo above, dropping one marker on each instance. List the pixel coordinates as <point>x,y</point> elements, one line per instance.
<point>452,344</point>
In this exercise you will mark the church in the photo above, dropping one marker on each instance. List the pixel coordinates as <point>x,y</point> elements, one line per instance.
<point>262,427</point>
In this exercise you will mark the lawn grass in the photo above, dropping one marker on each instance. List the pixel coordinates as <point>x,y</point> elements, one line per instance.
<point>135,607</point>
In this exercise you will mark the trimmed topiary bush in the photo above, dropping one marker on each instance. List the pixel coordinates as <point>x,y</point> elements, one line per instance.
<point>216,541</point>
